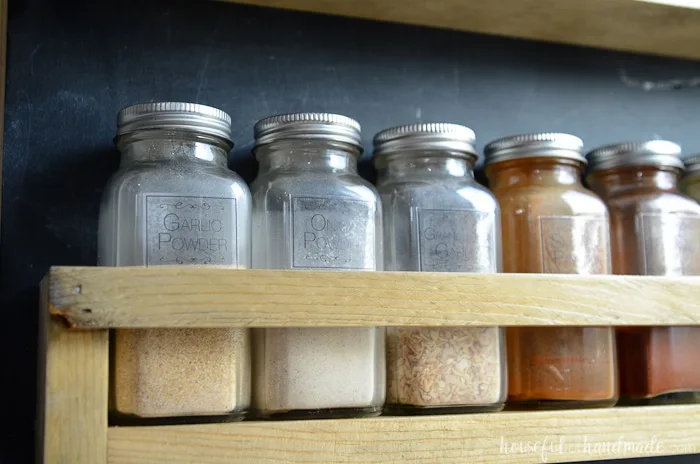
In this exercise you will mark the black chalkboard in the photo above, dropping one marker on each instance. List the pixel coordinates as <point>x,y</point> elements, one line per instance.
<point>73,64</point>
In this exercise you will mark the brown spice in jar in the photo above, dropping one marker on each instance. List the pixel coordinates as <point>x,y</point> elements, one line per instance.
<point>561,363</point>
<point>658,360</point>
<point>444,366</point>
<point>181,372</point>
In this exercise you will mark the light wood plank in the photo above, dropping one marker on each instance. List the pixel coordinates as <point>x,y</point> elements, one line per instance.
<point>74,382</point>
<point>204,297</point>
<point>663,27</point>
<point>480,438</point>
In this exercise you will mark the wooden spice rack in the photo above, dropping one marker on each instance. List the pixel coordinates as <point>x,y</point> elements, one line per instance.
<point>85,302</point>
<point>662,27</point>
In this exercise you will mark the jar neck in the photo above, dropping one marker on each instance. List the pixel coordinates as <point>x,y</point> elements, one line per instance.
<point>425,165</point>
<point>530,172</point>
<point>172,146</point>
<point>308,155</point>
<point>634,179</point>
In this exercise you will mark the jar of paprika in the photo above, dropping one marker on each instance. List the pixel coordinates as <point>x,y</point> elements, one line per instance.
<point>552,224</point>
<point>655,230</point>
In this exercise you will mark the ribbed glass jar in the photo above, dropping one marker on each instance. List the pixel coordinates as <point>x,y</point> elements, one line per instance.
<point>175,202</point>
<point>312,210</point>
<point>437,218</point>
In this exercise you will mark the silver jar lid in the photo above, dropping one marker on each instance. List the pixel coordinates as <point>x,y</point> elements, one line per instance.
<point>661,153</point>
<point>190,117</point>
<point>545,144</point>
<point>692,164</point>
<point>308,126</point>
<point>429,136</point>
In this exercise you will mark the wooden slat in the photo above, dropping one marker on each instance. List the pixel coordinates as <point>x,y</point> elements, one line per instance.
<point>557,436</point>
<point>664,27</point>
<point>202,297</point>
<point>74,382</point>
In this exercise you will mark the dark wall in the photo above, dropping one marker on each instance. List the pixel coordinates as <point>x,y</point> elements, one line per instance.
<point>73,64</point>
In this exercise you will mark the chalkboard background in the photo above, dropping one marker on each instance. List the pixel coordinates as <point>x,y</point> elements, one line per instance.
<point>73,64</point>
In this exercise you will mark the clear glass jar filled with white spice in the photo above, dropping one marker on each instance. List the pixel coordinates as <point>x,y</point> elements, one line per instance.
<point>437,218</point>
<point>311,210</point>
<point>175,202</point>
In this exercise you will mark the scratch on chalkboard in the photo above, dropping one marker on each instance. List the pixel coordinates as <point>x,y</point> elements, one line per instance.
<point>31,58</point>
<point>657,85</point>
<point>203,75</point>
<point>168,22</point>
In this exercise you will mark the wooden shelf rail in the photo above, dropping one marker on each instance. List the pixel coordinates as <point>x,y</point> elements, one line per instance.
<point>204,297</point>
<point>506,437</point>
<point>661,27</point>
<point>73,426</point>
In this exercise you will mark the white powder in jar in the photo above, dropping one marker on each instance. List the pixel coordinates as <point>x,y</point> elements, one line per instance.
<point>181,372</point>
<point>319,368</point>
<point>445,366</point>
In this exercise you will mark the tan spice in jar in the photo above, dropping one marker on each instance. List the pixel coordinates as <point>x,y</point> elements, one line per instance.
<point>445,366</point>
<point>181,372</point>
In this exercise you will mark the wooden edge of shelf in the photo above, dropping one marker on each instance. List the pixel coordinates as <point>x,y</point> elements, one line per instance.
<point>519,437</point>
<point>177,296</point>
<point>661,27</point>
<point>73,392</point>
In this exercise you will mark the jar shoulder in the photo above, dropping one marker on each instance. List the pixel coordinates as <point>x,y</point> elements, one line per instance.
<point>653,202</point>
<point>182,179</point>
<point>313,185</point>
<point>437,195</point>
<point>565,200</point>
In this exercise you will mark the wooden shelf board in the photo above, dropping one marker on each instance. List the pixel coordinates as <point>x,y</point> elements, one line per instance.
<point>508,437</point>
<point>213,297</point>
<point>663,27</point>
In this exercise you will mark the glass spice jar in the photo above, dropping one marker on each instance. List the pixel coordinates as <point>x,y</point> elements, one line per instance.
<point>438,218</point>
<point>691,182</point>
<point>552,224</point>
<point>312,210</point>
<point>175,202</point>
<point>655,231</point>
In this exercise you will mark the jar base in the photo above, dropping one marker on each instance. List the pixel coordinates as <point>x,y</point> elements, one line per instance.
<point>410,410</point>
<point>331,413</point>
<point>660,400</point>
<point>118,418</point>
<point>559,404</point>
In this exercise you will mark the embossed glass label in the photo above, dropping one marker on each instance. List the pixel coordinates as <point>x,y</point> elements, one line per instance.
<point>456,241</point>
<point>671,244</point>
<point>190,230</point>
<point>575,245</point>
<point>332,233</point>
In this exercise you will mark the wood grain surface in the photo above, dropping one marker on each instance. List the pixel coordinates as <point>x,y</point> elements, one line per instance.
<point>508,437</point>
<point>74,381</point>
<point>663,27</point>
<point>209,297</point>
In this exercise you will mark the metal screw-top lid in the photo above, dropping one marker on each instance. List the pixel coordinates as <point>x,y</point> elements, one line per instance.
<point>661,153</point>
<point>692,164</point>
<point>308,126</point>
<point>545,144</point>
<point>430,136</point>
<point>179,116</point>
